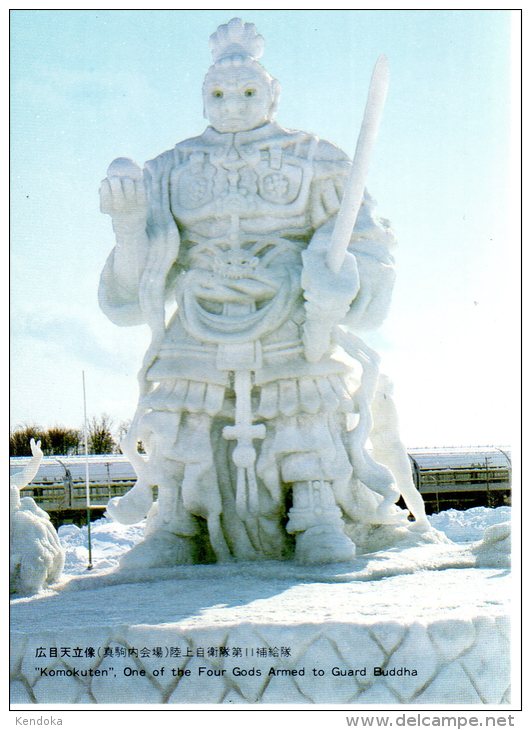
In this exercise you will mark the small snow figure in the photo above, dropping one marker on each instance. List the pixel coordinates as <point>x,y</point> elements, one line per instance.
<point>494,549</point>
<point>36,556</point>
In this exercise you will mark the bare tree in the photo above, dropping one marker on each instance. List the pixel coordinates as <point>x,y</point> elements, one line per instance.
<point>121,432</point>
<point>100,438</point>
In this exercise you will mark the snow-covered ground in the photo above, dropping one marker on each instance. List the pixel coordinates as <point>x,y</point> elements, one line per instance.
<point>466,526</point>
<point>110,540</point>
<point>433,616</point>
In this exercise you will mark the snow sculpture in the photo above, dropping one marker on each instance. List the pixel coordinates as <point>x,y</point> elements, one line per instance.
<point>36,556</point>
<point>494,549</point>
<point>256,392</point>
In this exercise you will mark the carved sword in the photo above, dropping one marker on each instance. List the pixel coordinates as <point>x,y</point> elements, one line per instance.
<point>244,455</point>
<point>353,193</point>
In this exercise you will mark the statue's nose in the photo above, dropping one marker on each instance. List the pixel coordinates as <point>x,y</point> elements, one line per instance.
<point>232,105</point>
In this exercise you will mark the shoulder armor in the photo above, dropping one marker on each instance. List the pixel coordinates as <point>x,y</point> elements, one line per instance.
<point>326,151</point>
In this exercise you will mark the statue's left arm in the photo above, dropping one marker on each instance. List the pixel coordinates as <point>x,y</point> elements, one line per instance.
<point>359,294</point>
<point>371,243</point>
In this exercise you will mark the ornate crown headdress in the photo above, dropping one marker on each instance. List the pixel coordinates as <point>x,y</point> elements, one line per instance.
<point>236,38</point>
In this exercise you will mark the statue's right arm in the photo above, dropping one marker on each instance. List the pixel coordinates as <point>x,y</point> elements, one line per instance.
<point>123,197</point>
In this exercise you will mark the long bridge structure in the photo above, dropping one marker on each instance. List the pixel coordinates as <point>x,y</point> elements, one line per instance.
<point>458,477</point>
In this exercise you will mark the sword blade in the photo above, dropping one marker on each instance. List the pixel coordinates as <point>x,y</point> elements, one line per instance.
<point>355,186</point>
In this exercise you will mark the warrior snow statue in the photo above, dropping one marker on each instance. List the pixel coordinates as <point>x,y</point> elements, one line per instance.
<point>256,394</point>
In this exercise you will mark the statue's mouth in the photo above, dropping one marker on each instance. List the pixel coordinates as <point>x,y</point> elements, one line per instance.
<point>236,264</point>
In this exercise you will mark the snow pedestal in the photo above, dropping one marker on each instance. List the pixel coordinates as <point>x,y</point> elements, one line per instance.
<point>417,626</point>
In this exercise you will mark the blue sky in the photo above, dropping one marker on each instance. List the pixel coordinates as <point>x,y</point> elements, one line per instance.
<point>89,86</point>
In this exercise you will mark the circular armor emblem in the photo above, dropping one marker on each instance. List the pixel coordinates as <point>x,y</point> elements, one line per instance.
<point>276,186</point>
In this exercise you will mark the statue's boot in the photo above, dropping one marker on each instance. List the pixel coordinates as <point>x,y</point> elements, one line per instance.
<point>161,549</point>
<point>316,521</point>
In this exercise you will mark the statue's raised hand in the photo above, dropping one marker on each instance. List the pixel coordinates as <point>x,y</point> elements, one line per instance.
<point>123,193</point>
<point>36,448</point>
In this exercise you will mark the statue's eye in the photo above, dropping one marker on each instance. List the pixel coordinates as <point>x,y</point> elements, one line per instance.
<point>249,92</point>
<point>217,94</point>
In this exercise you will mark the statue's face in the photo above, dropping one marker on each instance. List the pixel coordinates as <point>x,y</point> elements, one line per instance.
<point>237,99</point>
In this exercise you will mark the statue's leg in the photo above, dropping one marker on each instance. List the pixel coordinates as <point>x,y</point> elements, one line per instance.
<point>170,529</point>
<point>316,521</point>
<point>312,462</point>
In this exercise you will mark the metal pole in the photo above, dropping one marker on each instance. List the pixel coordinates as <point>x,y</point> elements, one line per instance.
<point>87,483</point>
<point>108,480</point>
<point>487,481</point>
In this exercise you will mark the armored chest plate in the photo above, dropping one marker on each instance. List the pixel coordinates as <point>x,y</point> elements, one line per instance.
<point>246,182</point>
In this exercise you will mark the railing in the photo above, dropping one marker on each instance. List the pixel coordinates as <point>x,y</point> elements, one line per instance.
<point>441,487</point>
<point>72,496</point>
<point>462,488</point>
<point>465,479</point>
